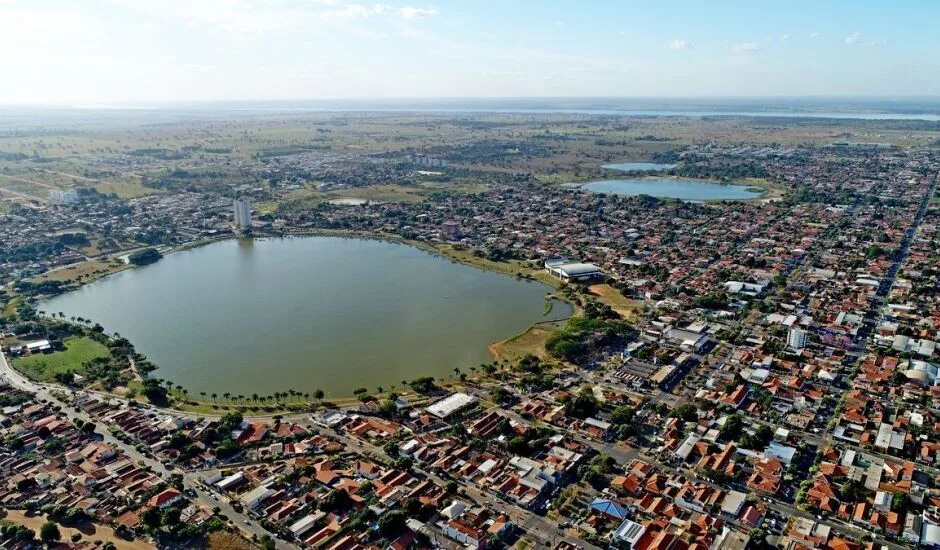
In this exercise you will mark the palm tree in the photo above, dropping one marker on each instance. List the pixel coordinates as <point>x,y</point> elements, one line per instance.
<point>318,395</point>
<point>380,389</point>
<point>254,397</point>
<point>227,396</point>
<point>214,395</point>
<point>202,394</point>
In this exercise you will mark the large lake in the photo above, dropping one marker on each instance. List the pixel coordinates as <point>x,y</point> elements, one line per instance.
<point>305,313</point>
<point>673,188</point>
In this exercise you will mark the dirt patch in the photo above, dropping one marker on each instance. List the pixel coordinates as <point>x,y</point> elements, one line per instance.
<point>228,541</point>
<point>89,531</point>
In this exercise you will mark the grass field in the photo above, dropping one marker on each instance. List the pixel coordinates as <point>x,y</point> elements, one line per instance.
<point>44,366</point>
<point>82,271</point>
<point>126,188</point>
<point>532,341</point>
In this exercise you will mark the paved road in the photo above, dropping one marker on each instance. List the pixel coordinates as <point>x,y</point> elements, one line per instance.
<point>191,480</point>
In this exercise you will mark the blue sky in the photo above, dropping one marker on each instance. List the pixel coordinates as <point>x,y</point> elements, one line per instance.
<point>108,51</point>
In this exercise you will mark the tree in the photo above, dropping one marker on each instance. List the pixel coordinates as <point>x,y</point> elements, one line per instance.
<point>171,518</point>
<point>757,535</point>
<point>335,500</point>
<point>154,391</point>
<point>584,405</point>
<point>318,395</point>
<point>49,533</point>
<point>501,395</point>
<point>853,491</point>
<point>145,256</point>
<point>519,446</point>
<point>686,412</point>
<point>266,542</point>
<point>391,524</point>
<point>622,415</point>
<point>900,502</point>
<point>732,428</point>
<point>387,408</point>
<point>152,518</point>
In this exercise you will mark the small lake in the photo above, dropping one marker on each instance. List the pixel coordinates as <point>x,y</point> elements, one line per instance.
<point>266,315</point>
<point>638,166</point>
<point>673,188</point>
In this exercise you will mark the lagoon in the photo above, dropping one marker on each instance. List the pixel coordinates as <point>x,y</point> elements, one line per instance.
<point>674,188</point>
<point>331,313</point>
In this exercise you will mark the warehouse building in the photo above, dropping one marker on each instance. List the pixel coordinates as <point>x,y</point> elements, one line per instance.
<point>573,271</point>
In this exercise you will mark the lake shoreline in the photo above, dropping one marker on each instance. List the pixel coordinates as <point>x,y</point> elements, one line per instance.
<point>767,190</point>
<point>441,250</point>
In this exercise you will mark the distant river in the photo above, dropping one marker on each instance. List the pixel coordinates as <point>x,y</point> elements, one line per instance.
<point>305,313</point>
<point>673,188</point>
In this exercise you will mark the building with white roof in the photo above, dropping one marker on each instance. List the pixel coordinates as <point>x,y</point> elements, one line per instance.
<point>451,404</point>
<point>573,271</point>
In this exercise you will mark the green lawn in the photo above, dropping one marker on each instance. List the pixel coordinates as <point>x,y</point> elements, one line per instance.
<point>44,366</point>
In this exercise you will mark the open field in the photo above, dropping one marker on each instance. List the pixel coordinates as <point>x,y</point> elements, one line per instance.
<point>88,531</point>
<point>625,307</point>
<point>44,366</point>
<point>555,147</point>
<point>83,271</point>
<point>532,341</point>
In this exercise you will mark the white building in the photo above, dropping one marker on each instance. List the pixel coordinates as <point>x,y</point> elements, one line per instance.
<point>242,214</point>
<point>253,498</point>
<point>629,533</point>
<point>62,196</point>
<point>573,271</point>
<point>451,404</point>
<point>797,339</point>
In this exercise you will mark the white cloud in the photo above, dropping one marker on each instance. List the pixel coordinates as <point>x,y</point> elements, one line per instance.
<point>409,12</point>
<point>813,34</point>
<point>745,47</point>
<point>237,16</point>
<point>852,38</point>
<point>680,45</point>
<point>785,37</point>
<point>881,42</point>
